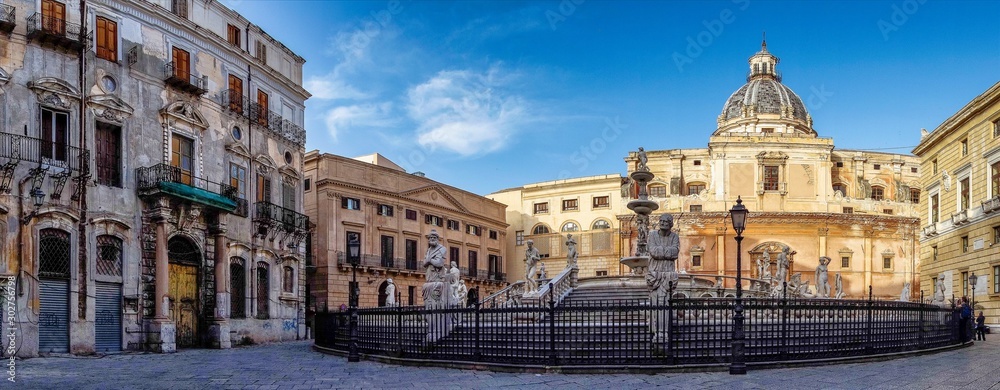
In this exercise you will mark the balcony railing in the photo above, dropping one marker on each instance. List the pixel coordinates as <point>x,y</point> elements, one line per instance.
<point>780,187</point>
<point>286,220</point>
<point>57,31</point>
<point>7,21</point>
<point>242,207</point>
<point>174,181</point>
<point>183,79</point>
<point>51,154</point>
<point>930,230</point>
<point>992,204</point>
<point>236,103</point>
<point>960,217</point>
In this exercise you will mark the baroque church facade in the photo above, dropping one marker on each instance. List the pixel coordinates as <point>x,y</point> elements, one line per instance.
<point>860,208</point>
<point>151,158</point>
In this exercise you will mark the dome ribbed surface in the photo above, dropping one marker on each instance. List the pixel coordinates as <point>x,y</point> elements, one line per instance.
<point>768,95</point>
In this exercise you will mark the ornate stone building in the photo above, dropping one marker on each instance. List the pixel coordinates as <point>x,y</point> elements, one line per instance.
<point>959,214</point>
<point>548,212</point>
<point>857,207</point>
<point>391,212</point>
<point>138,147</point>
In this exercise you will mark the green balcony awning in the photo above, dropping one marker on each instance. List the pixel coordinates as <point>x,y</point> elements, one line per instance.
<point>199,195</point>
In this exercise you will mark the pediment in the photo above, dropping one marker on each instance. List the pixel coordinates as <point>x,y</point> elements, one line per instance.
<point>184,111</point>
<point>110,107</point>
<point>434,194</point>
<point>54,92</point>
<point>264,163</point>
<point>238,149</point>
<point>289,172</point>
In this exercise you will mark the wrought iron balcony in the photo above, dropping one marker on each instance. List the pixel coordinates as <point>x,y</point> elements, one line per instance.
<point>271,219</point>
<point>7,22</point>
<point>234,102</point>
<point>56,31</point>
<point>173,181</point>
<point>242,207</point>
<point>53,155</point>
<point>183,79</point>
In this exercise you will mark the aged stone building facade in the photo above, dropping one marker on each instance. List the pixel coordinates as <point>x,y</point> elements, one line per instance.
<point>391,212</point>
<point>140,141</point>
<point>857,207</point>
<point>548,212</point>
<point>959,214</point>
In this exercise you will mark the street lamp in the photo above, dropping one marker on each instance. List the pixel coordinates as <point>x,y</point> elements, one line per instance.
<point>972,293</point>
<point>354,258</point>
<point>738,214</point>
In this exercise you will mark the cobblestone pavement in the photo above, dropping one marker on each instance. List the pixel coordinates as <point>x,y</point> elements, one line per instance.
<point>296,366</point>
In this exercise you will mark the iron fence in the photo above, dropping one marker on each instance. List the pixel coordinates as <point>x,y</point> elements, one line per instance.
<point>619,332</point>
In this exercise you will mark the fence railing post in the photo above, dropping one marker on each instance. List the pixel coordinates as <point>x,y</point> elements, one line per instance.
<point>478,353</point>
<point>920,328</point>
<point>552,327</point>
<point>871,323</point>
<point>784,320</point>
<point>399,325</point>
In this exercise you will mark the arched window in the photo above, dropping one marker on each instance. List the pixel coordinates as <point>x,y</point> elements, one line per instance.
<point>840,187</point>
<point>109,255</point>
<point>540,229</point>
<point>878,193</point>
<point>570,227</point>
<point>238,288</point>
<point>288,285</point>
<point>53,254</point>
<point>695,188</point>
<point>601,224</point>
<point>263,290</point>
<point>658,190</point>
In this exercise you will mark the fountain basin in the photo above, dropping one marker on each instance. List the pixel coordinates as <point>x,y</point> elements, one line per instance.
<point>642,176</point>
<point>636,262</point>
<point>642,206</point>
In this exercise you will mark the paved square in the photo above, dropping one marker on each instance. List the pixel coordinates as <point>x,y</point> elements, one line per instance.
<point>296,366</point>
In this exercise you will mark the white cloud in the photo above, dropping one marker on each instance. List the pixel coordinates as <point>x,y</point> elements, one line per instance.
<point>466,112</point>
<point>332,87</point>
<point>370,115</point>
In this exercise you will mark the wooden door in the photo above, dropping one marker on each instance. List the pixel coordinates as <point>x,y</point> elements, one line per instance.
<point>184,303</point>
<point>182,64</point>
<point>182,156</point>
<point>53,17</point>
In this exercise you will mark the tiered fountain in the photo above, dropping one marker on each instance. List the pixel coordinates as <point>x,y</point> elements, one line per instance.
<point>642,207</point>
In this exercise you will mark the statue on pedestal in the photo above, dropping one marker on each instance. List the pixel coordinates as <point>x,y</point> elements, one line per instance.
<point>437,291</point>
<point>571,251</point>
<point>904,296</point>
<point>822,278</point>
<point>531,260</point>
<point>939,297</point>
<point>782,273</point>
<point>839,283</point>
<point>664,246</point>
<point>390,293</point>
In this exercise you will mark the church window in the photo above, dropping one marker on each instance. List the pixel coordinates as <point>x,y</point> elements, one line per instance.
<point>771,178</point>
<point>659,191</point>
<point>540,229</point>
<point>878,193</point>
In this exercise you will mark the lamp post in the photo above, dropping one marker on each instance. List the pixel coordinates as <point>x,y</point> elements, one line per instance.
<point>354,258</point>
<point>738,215</point>
<point>972,292</point>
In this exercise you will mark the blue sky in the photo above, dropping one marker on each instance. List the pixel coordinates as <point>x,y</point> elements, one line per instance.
<point>489,95</point>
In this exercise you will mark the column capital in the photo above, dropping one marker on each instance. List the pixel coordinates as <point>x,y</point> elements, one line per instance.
<point>218,228</point>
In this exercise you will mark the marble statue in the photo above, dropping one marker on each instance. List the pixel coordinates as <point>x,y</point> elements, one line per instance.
<point>782,272</point>
<point>839,284</point>
<point>531,260</point>
<point>454,274</point>
<point>437,290</point>
<point>390,293</point>
<point>904,296</point>
<point>939,297</point>
<point>541,271</point>
<point>641,165</point>
<point>822,278</point>
<point>664,245</point>
<point>571,251</point>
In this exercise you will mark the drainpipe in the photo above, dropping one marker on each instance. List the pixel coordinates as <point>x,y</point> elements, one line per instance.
<point>84,166</point>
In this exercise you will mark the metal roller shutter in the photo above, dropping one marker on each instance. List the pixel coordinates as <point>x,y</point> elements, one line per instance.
<point>53,317</point>
<point>108,319</point>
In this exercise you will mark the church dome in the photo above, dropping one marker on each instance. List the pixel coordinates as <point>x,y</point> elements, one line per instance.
<point>764,97</point>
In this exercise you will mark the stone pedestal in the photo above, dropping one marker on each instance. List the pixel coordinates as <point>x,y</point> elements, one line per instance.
<point>163,336</point>
<point>218,333</point>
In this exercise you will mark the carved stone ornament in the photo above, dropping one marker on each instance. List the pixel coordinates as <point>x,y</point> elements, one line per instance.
<point>184,111</point>
<point>110,107</point>
<point>54,92</point>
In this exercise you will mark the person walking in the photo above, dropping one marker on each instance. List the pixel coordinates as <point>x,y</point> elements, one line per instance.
<point>981,327</point>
